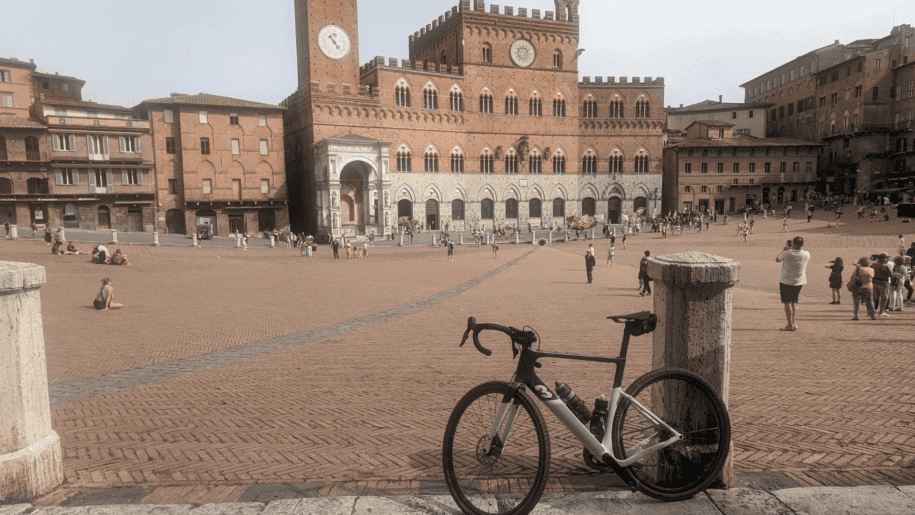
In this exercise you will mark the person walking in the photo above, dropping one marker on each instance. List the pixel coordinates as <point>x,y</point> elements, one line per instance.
<point>451,251</point>
<point>785,225</point>
<point>900,246</point>
<point>794,262</point>
<point>244,242</point>
<point>643,275</point>
<point>883,273</point>
<point>865,293</point>
<point>897,283</point>
<point>611,253</point>
<point>624,241</point>
<point>835,279</point>
<point>34,230</point>
<point>589,261</point>
<point>495,248</point>
<point>335,245</point>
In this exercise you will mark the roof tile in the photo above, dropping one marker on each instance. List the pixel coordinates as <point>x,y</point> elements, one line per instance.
<point>15,122</point>
<point>207,99</point>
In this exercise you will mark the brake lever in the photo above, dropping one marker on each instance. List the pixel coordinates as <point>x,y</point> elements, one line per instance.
<point>464,339</point>
<point>471,324</point>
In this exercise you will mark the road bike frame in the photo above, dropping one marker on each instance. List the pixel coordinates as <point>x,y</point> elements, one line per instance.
<point>526,377</point>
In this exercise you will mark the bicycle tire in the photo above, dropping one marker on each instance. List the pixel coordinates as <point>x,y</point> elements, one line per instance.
<point>689,404</point>
<point>510,483</point>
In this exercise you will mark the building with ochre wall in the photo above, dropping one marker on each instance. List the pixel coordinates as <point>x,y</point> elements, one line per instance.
<point>485,123</point>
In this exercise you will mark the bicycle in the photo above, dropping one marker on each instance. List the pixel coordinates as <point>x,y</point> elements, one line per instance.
<point>669,437</point>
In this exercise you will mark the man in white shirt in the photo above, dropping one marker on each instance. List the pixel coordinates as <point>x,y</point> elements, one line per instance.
<point>794,276</point>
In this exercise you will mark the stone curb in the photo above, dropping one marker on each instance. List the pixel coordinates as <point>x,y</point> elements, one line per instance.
<point>871,500</point>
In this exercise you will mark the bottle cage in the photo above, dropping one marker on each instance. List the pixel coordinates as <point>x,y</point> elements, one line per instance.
<point>640,327</point>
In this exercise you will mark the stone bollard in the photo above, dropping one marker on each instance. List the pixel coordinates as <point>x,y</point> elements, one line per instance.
<point>433,240</point>
<point>592,233</point>
<point>693,301</point>
<point>30,455</point>
<point>237,241</point>
<point>400,244</point>
<point>14,235</point>
<point>195,239</point>
<point>272,242</point>
<point>549,237</point>
<point>462,239</point>
<point>533,236</point>
<point>155,238</point>
<point>567,236</point>
<point>63,234</point>
<point>114,235</point>
<point>517,239</point>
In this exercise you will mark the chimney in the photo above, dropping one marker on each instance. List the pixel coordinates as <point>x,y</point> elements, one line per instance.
<point>681,105</point>
<point>719,98</point>
<point>31,60</point>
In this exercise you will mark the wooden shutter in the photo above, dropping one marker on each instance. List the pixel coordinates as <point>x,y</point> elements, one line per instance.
<point>89,145</point>
<point>124,178</point>
<point>136,147</point>
<point>75,176</point>
<point>58,179</point>
<point>55,143</point>
<point>110,177</point>
<point>140,177</point>
<point>105,149</point>
<point>91,180</point>
<point>123,144</point>
<point>72,139</point>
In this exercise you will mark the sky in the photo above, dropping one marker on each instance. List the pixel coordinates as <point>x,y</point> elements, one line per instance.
<point>131,50</point>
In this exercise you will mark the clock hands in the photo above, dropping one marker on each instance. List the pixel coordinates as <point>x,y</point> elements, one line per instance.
<point>333,40</point>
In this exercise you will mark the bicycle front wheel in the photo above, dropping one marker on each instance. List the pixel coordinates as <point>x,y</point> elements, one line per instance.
<point>688,404</point>
<point>511,476</point>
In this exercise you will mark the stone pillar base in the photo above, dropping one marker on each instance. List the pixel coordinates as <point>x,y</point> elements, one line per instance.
<point>31,472</point>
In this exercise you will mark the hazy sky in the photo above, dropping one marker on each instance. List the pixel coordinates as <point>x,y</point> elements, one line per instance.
<point>129,50</point>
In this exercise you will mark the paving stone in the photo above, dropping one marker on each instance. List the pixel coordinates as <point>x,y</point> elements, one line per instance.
<point>322,506</point>
<point>625,503</point>
<point>230,508</point>
<point>873,500</point>
<point>746,501</point>
<point>15,509</point>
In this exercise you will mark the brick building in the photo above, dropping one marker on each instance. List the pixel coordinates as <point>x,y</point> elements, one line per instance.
<point>715,168</point>
<point>845,97</point>
<point>485,124</point>
<point>219,162</point>
<point>747,119</point>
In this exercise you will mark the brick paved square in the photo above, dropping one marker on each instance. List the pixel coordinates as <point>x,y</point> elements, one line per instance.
<point>364,407</point>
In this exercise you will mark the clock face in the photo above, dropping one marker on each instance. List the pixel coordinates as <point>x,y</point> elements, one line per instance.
<point>522,52</point>
<point>334,42</point>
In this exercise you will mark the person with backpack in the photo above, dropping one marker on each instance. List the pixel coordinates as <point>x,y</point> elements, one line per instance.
<point>861,286</point>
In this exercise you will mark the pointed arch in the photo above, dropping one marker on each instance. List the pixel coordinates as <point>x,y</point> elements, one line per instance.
<point>588,190</point>
<point>458,193</point>
<point>430,95</point>
<point>487,191</point>
<point>511,191</point>
<point>432,191</point>
<point>404,191</point>
<point>535,191</point>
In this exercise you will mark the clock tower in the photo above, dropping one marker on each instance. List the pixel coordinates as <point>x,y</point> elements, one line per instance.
<point>327,42</point>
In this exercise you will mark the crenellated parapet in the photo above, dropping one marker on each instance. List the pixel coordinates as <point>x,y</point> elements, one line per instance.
<point>444,22</point>
<point>636,82</point>
<point>409,64</point>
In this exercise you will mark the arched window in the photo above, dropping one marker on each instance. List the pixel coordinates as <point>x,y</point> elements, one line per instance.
<point>403,160</point>
<point>35,185</point>
<point>457,209</point>
<point>641,164</point>
<point>511,161</point>
<point>431,160</point>
<point>687,189</point>
<point>559,207</point>
<point>720,188</point>
<point>616,108</point>
<point>588,206</point>
<point>457,161</point>
<point>559,107</point>
<point>703,189</point>
<point>444,58</point>
<point>642,109</point>
<point>589,108</point>
<point>486,209</point>
<point>535,105</point>
<point>31,149</point>
<point>511,104</point>
<point>486,161</point>
<point>589,164</point>
<point>486,102</point>
<point>487,53</point>
<point>402,95</point>
<point>2,148</point>
<point>616,164</point>
<point>457,99</point>
<point>533,207</point>
<point>511,208</point>
<point>430,98</point>
<point>559,162</point>
<point>557,59</point>
<point>535,162</point>
<point>6,186</point>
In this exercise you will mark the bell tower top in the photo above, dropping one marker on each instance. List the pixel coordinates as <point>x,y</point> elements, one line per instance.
<point>570,7</point>
<point>327,39</point>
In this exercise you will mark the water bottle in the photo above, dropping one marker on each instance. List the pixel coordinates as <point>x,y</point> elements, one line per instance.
<point>574,402</point>
<point>601,408</point>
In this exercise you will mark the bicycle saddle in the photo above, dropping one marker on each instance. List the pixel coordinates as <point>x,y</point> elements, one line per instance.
<point>634,317</point>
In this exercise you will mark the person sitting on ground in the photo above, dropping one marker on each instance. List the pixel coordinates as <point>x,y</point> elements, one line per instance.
<point>118,258</point>
<point>71,249</point>
<point>57,247</point>
<point>100,255</point>
<point>105,296</point>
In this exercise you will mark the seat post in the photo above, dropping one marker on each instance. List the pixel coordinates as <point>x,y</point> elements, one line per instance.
<point>620,368</point>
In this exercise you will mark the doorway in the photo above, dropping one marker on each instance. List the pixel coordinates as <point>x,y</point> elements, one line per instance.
<point>703,205</point>
<point>174,221</point>
<point>206,217</point>
<point>614,209</point>
<point>135,219</point>
<point>432,214</point>
<point>266,220</point>
<point>103,218</point>
<point>719,206</point>
<point>237,224</point>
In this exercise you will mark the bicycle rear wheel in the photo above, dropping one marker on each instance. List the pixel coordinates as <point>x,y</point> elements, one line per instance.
<point>690,405</point>
<point>510,478</point>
